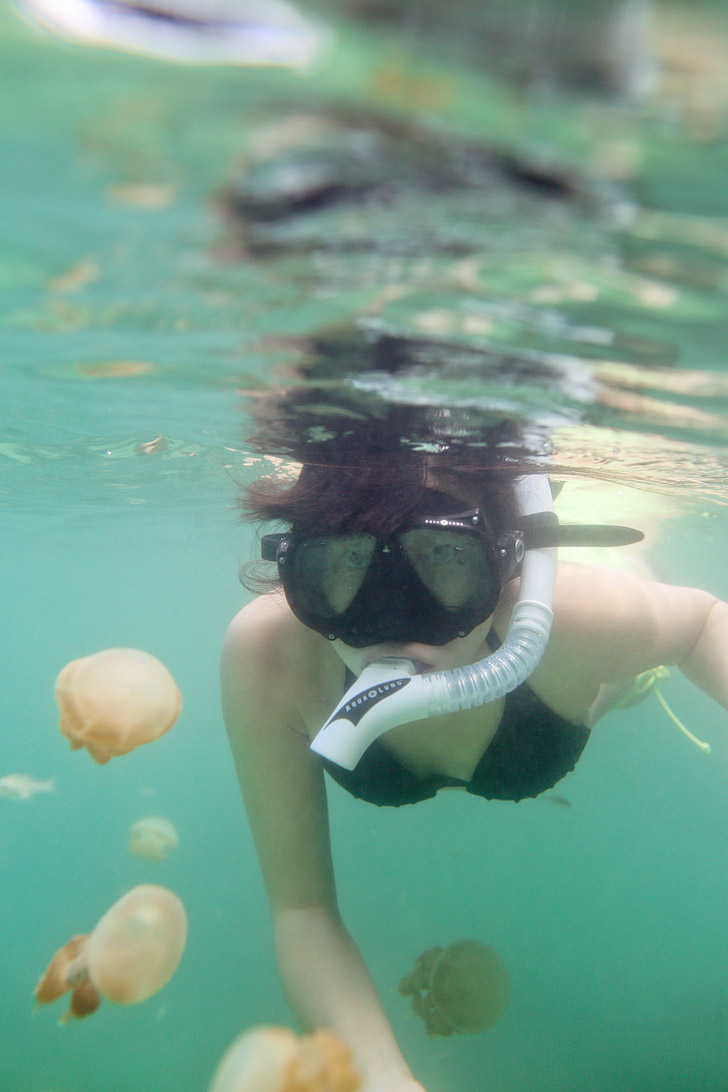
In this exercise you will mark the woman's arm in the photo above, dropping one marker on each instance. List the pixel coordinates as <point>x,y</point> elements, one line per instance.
<point>328,985</point>
<point>707,662</point>
<point>611,625</point>
<point>281,780</point>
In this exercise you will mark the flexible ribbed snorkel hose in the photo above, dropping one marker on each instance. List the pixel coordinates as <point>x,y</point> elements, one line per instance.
<point>528,631</point>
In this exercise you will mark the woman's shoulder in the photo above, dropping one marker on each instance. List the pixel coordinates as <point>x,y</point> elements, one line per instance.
<point>264,635</point>
<point>262,617</point>
<point>602,616</point>
<point>268,651</point>
<point>610,625</point>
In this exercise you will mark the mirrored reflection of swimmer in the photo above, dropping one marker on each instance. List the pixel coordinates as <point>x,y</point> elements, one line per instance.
<point>419,557</point>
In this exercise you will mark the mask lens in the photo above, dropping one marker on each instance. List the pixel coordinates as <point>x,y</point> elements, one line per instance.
<point>452,565</point>
<point>329,571</point>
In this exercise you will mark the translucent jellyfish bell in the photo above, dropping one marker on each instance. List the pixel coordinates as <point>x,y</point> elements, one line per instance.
<point>271,1059</point>
<point>462,988</point>
<point>152,838</point>
<point>115,700</point>
<point>131,954</point>
<point>258,1061</point>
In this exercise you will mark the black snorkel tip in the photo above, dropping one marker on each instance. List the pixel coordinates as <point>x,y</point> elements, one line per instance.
<point>598,534</point>
<point>542,535</point>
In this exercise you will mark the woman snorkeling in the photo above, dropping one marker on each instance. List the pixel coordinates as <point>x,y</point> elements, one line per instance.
<point>408,564</point>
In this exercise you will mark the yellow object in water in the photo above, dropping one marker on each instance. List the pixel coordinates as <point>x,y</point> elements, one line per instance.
<point>115,700</point>
<point>152,838</point>
<point>132,952</point>
<point>462,988</point>
<point>273,1059</point>
<point>18,786</point>
<point>646,684</point>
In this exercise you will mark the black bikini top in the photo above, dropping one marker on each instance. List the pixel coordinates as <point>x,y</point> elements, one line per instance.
<point>532,749</point>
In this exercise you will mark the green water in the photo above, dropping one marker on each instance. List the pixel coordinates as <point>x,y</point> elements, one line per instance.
<point>610,913</point>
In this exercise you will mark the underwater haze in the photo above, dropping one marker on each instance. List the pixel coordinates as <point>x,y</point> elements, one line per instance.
<point>169,264</point>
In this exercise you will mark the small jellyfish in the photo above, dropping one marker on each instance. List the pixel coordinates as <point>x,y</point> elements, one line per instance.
<point>153,838</point>
<point>19,786</point>
<point>115,700</point>
<point>132,952</point>
<point>273,1059</point>
<point>464,987</point>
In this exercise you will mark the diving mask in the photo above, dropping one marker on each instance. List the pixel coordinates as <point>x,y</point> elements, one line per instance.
<point>437,578</point>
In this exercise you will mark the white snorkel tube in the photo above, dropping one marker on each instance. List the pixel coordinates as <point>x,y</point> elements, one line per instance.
<point>389,691</point>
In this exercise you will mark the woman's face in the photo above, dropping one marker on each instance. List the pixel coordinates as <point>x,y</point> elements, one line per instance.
<point>457,653</point>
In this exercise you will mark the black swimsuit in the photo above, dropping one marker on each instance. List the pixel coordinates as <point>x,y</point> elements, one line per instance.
<point>532,749</point>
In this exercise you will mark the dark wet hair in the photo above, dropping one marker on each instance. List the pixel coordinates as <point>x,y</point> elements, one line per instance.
<point>367,459</point>
<point>377,497</point>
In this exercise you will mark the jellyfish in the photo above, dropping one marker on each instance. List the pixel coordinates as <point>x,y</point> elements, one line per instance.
<point>132,952</point>
<point>273,1059</point>
<point>462,988</point>
<point>114,700</point>
<point>153,838</point>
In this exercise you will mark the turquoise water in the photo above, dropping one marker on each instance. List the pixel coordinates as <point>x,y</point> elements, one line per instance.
<point>610,913</point>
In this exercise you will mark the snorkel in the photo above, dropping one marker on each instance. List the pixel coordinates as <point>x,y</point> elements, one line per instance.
<point>389,692</point>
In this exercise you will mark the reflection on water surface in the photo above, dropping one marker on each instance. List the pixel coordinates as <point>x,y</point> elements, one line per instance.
<point>374,255</point>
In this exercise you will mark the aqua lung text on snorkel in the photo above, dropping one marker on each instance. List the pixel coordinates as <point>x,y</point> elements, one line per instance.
<point>363,702</point>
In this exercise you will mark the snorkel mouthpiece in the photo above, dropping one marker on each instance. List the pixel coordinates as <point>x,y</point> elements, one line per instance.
<point>389,692</point>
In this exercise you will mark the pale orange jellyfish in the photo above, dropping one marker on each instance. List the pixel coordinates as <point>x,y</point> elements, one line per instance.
<point>271,1059</point>
<point>464,987</point>
<point>133,951</point>
<point>114,700</point>
<point>153,838</point>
